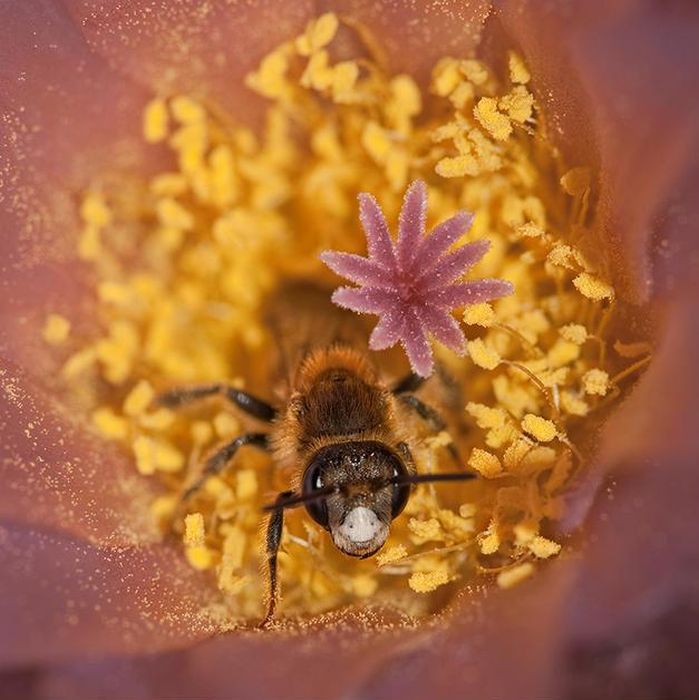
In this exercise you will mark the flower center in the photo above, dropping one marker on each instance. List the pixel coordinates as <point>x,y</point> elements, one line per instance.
<point>186,263</point>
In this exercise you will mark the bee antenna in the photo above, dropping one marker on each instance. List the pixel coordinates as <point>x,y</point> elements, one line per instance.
<point>428,478</point>
<point>299,499</point>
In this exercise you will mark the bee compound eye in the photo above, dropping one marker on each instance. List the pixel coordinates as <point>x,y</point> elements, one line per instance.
<point>312,482</point>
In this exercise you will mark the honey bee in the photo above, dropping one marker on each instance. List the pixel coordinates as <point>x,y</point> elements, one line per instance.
<point>341,430</point>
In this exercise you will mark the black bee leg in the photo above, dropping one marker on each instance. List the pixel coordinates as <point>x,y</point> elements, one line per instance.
<point>427,413</point>
<point>411,382</point>
<point>218,461</point>
<point>245,402</point>
<point>431,417</point>
<point>273,540</point>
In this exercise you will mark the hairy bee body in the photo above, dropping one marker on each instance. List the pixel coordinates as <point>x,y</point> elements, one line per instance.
<point>341,432</point>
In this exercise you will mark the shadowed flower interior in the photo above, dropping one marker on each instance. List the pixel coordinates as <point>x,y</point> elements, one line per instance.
<point>184,263</point>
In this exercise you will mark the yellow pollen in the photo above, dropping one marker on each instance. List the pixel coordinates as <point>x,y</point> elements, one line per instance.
<point>574,332</point>
<point>56,329</point>
<point>319,33</point>
<point>596,381</point>
<point>194,534</point>
<point>543,548</point>
<point>496,123</point>
<point>111,425</point>
<point>518,69</point>
<point>542,429</point>
<point>426,581</point>
<point>479,315</point>
<point>482,355</point>
<point>139,398</point>
<point>593,287</point>
<point>485,463</point>
<point>515,575</point>
<point>391,555</point>
<point>155,121</point>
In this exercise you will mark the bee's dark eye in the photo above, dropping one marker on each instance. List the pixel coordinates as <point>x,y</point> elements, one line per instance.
<point>313,481</point>
<point>399,499</point>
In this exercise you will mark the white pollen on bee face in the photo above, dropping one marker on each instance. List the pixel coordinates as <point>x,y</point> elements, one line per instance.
<point>361,525</point>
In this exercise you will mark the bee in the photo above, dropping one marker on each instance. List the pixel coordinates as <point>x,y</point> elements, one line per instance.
<point>340,429</point>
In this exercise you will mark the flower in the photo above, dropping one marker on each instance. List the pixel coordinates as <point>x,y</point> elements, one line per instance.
<point>410,284</point>
<point>74,581</point>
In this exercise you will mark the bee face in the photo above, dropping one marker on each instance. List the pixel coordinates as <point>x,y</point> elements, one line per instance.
<point>359,510</point>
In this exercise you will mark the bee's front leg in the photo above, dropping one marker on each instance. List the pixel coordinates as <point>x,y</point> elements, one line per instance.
<point>273,540</point>
<point>220,459</point>
<point>431,417</point>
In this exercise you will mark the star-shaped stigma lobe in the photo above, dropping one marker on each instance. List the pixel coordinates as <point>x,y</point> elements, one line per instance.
<point>413,284</point>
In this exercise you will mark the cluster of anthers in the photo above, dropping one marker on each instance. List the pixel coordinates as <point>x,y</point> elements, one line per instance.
<point>184,261</point>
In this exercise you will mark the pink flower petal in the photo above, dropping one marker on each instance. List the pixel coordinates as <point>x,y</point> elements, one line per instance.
<point>443,327</point>
<point>453,265</point>
<point>411,223</point>
<point>388,331</point>
<point>416,345</point>
<point>442,236</point>
<point>476,292</point>
<point>378,237</point>
<point>357,269</point>
<point>366,300</point>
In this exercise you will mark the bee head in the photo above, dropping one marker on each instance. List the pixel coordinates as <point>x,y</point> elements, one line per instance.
<point>360,502</point>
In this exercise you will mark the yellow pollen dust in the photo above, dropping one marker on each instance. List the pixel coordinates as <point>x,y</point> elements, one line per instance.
<point>186,262</point>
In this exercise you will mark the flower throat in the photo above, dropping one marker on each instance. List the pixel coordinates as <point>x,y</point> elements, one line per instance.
<point>186,263</point>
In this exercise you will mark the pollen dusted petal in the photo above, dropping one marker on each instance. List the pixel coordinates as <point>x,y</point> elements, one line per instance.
<point>442,236</point>
<point>411,223</point>
<point>444,328</point>
<point>367,300</point>
<point>455,264</point>
<point>357,269</point>
<point>455,295</point>
<point>378,237</point>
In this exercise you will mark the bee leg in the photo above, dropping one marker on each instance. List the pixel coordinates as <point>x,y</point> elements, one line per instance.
<point>431,417</point>
<point>411,382</point>
<point>245,402</point>
<point>273,540</point>
<point>216,463</point>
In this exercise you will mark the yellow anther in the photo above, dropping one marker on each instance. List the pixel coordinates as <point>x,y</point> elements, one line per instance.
<point>479,315</point>
<point>493,121</point>
<point>482,355</point>
<point>56,329</point>
<point>518,70</point>
<point>515,575</point>
<point>109,424</point>
<point>574,333</point>
<point>593,287</point>
<point>485,463</point>
<point>155,121</point>
<point>596,381</point>
<point>319,33</point>
<point>541,428</point>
